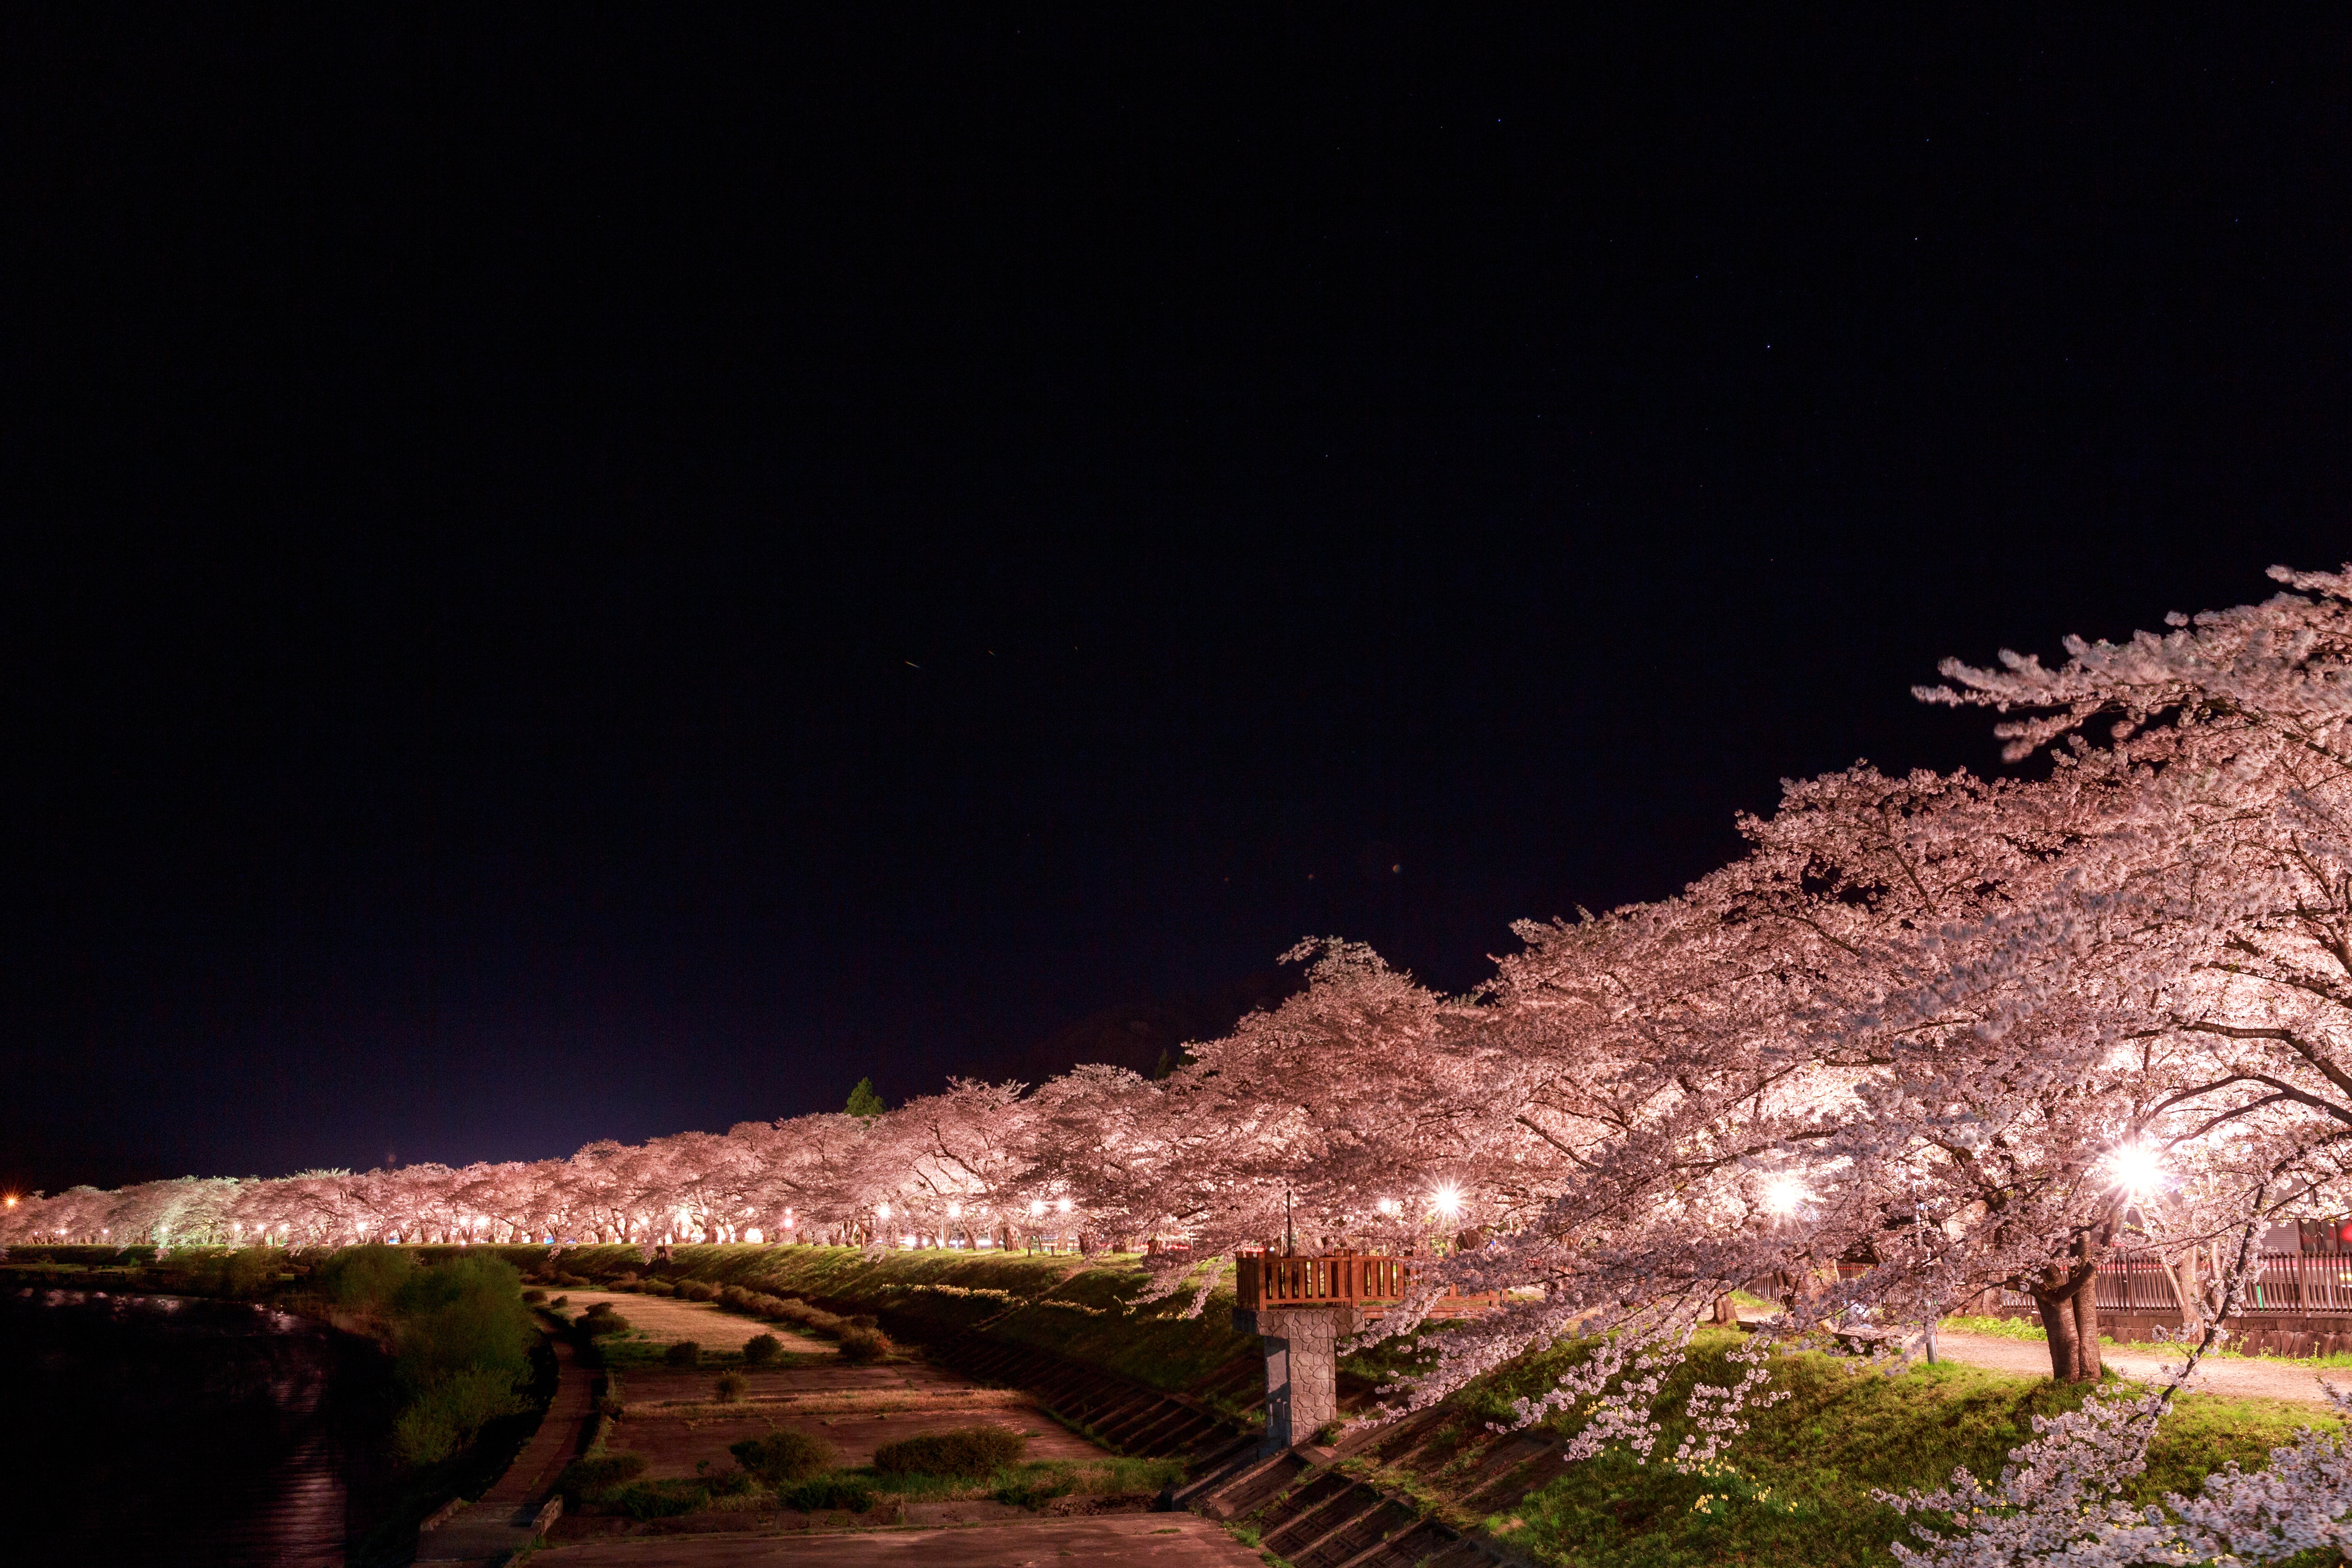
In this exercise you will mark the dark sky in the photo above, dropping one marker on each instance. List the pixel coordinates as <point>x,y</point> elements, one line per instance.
<point>595,581</point>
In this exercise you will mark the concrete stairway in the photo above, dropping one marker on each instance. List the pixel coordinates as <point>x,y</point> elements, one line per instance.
<point>1123,1416</point>
<point>1315,1516</point>
<point>1310,1512</point>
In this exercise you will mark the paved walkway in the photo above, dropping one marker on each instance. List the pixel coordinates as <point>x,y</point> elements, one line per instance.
<point>1111,1541</point>
<point>504,1520</point>
<point>2248,1378</point>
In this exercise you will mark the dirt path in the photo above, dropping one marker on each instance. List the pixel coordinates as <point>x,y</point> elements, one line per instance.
<point>2227,1375</point>
<point>667,1321</point>
<point>1114,1541</point>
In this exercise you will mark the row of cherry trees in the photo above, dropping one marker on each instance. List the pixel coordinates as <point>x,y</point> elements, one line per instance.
<point>1959,1032</point>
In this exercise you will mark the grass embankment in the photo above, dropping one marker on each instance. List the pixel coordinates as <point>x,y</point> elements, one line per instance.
<point>1090,1311</point>
<point>1795,1488</point>
<point>2026,1330</point>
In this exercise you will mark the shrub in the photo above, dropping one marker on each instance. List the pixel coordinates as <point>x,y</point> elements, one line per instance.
<point>686,1353</point>
<point>445,1417</point>
<point>533,1298</point>
<point>592,1474</point>
<point>731,1387</point>
<point>600,1320</point>
<point>655,1500</point>
<point>365,1276</point>
<point>964,1451</point>
<point>561,1301</point>
<point>784,1456</point>
<point>657,1288</point>
<point>730,1483</point>
<point>736,1299</point>
<point>696,1290</point>
<point>761,1350</point>
<point>861,1346</point>
<point>822,1492</point>
<point>464,1315</point>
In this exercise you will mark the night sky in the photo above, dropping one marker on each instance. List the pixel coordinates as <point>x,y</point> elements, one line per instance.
<point>589,582</point>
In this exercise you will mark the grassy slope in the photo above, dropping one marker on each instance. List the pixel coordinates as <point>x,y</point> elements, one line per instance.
<point>1797,1488</point>
<point>1089,1312</point>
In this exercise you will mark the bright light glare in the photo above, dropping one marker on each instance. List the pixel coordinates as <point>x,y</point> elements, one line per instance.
<point>1391,1206</point>
<point>1036,1207</point>
<point>754,1234</point>
<point>1448,1199</point>
<point>955,1211</point>
<point>1785,1194</point>
<point>2137,1167</point>
<point>882,1212</point>
<point>1064,1205</point>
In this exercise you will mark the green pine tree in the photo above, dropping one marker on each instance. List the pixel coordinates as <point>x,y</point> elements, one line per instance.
<point>863,1103</point>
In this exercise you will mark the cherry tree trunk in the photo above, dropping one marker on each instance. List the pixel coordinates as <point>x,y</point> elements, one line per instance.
<point>2086,1330</point>
<point>2067,1300</point>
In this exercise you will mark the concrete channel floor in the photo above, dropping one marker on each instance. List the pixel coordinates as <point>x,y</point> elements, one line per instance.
<point>1129,1540</point>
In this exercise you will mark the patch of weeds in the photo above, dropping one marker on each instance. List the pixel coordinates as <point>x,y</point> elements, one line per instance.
<point>820,1494</point>
<point>962,1451</point>
<point>653,1499</point>
<point>1035,1484</point>
<point>784,1456</point>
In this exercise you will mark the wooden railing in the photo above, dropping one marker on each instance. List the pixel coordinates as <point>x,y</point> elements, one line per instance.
<point>1371,1281</point>
<point>2292,1284</point>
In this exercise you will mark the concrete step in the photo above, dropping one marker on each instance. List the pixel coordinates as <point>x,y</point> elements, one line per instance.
<point>1407,1548</point>
<point>1317,1489</point>
<point>1312,1526</point>
<point>1387,1517</point>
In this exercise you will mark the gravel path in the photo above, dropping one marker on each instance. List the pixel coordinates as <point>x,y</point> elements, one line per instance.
<point>2250,1379</point>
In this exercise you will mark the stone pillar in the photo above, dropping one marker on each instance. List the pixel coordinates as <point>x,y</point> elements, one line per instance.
<point>1302,1368</point>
